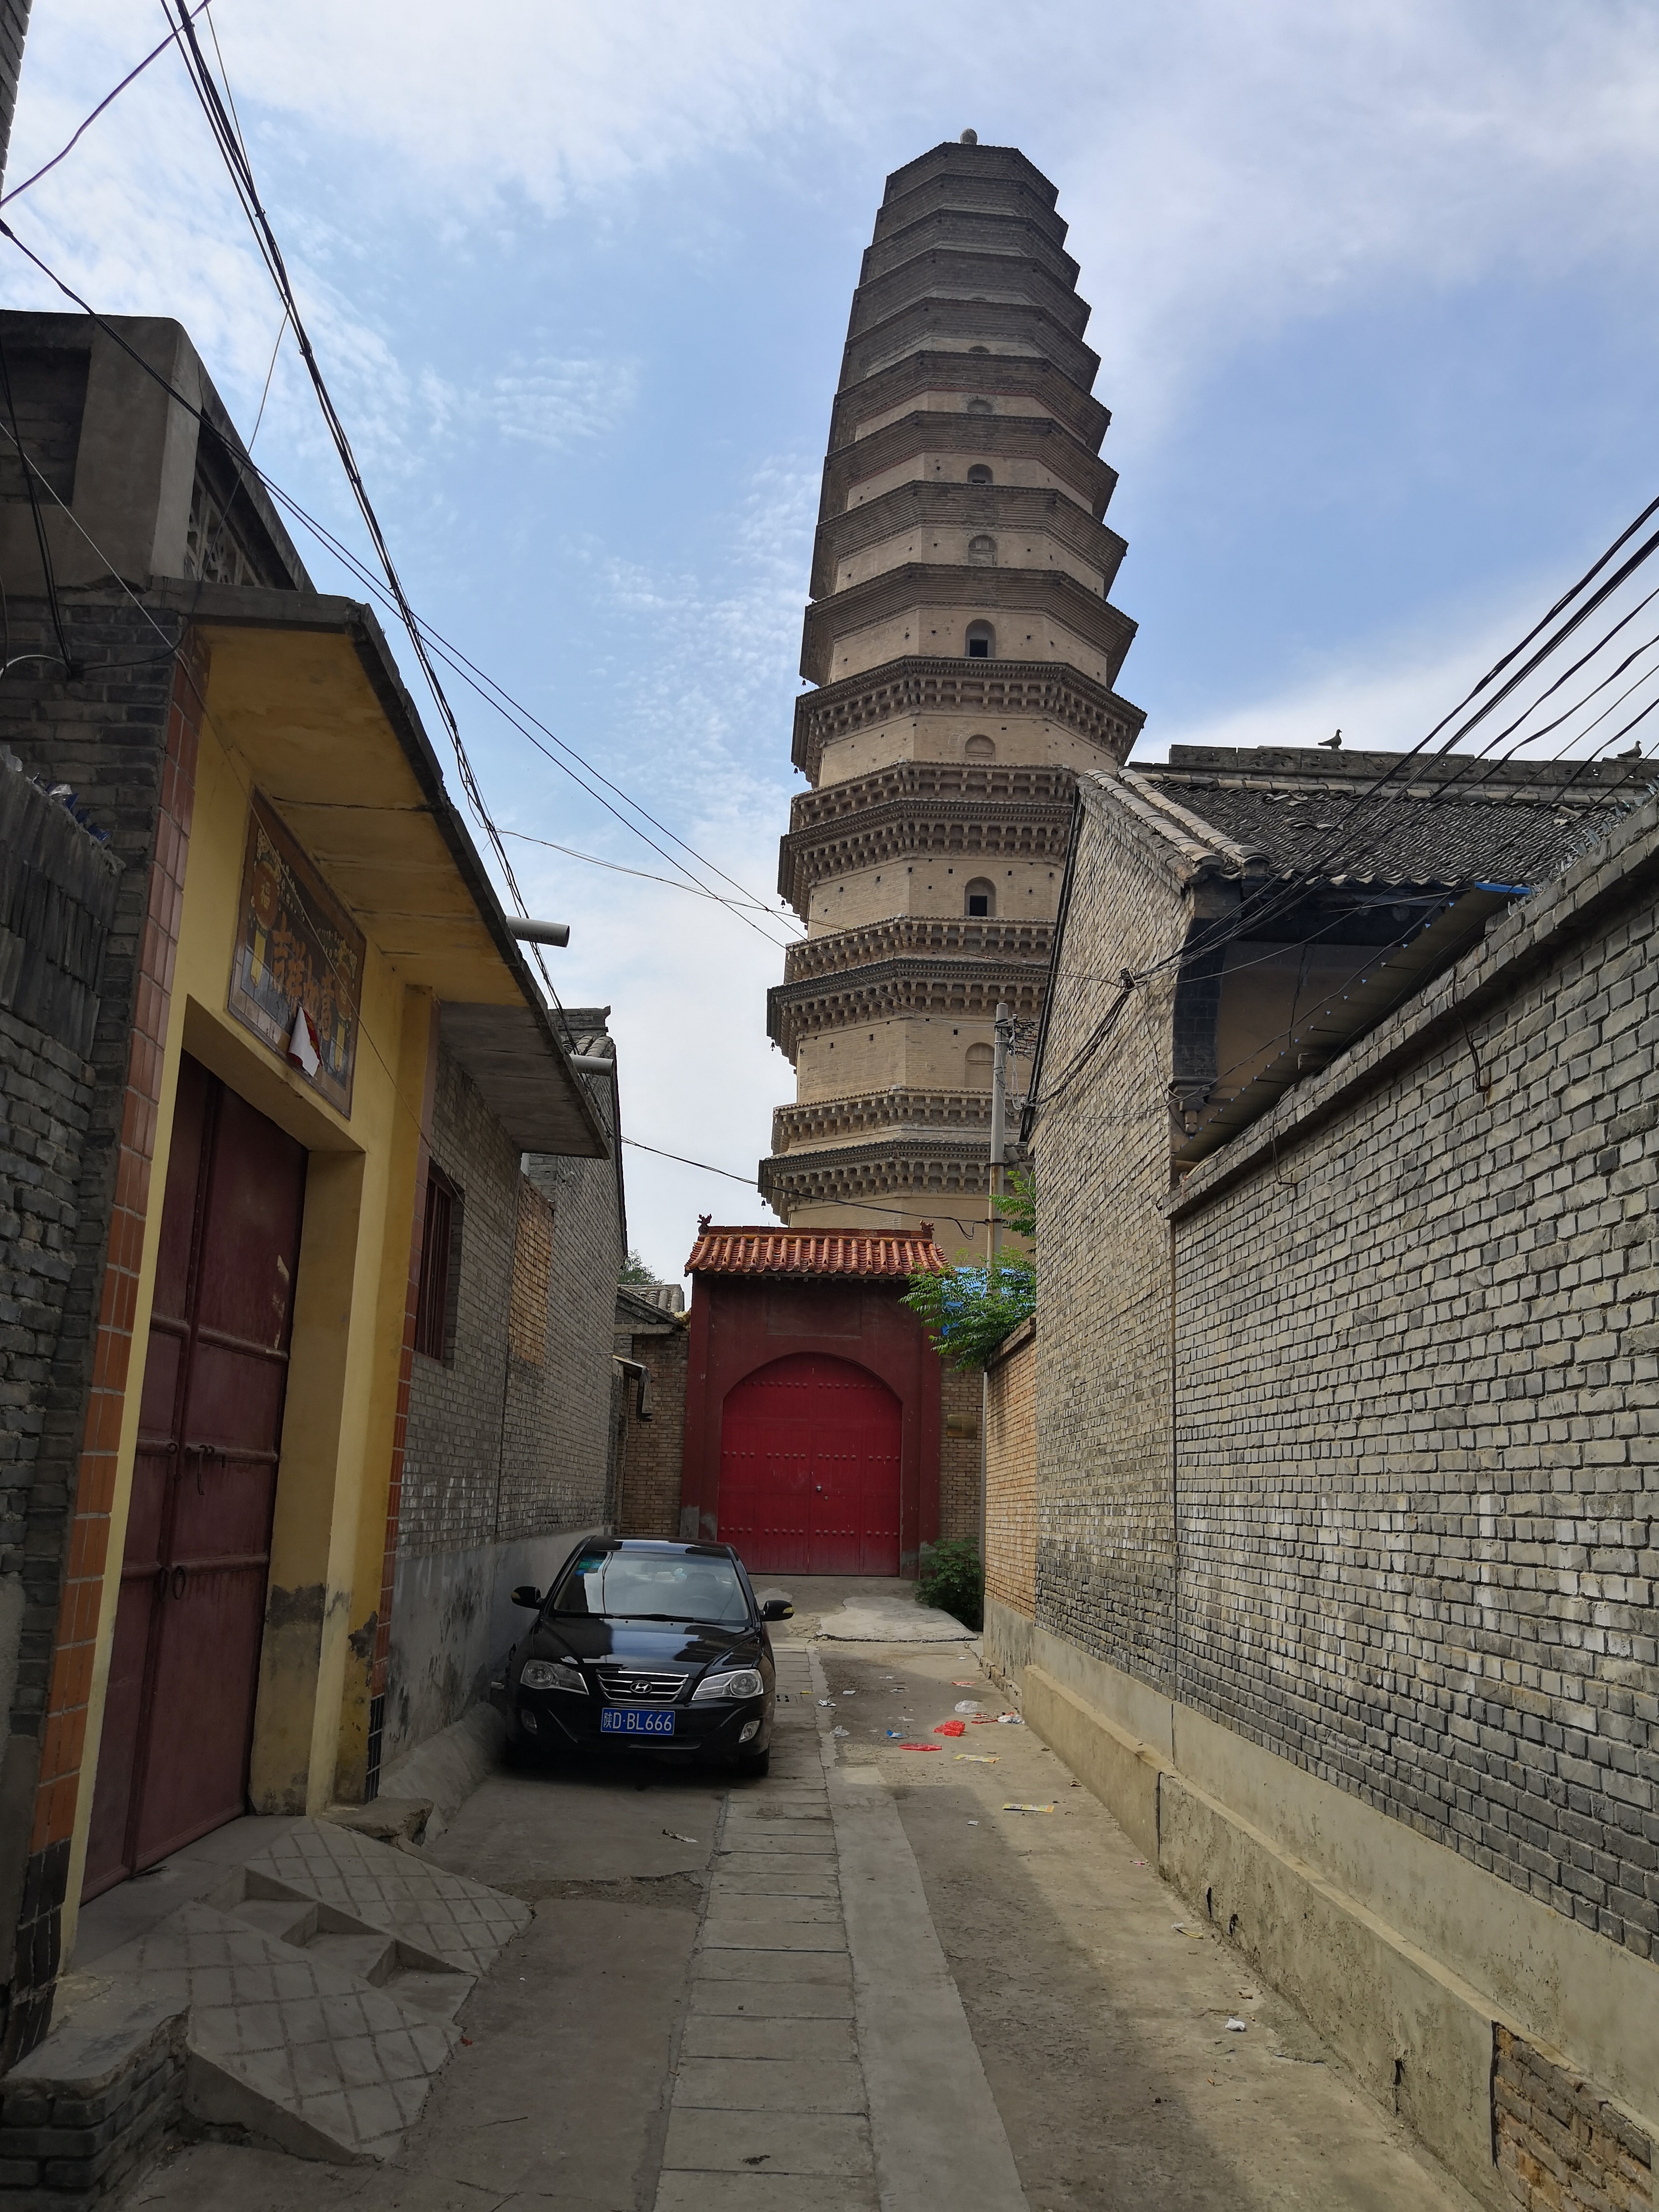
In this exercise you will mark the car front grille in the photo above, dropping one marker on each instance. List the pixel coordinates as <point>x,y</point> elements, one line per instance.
<point>627,1686</point>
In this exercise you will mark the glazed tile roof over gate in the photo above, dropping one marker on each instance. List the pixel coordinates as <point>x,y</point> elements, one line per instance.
<point>800,1252</point>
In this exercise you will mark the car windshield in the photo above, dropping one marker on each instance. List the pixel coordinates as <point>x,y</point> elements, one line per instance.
<point>652,1586</point>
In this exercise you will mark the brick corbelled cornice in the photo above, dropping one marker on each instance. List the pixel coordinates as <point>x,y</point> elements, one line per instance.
<point>967,438</point>
<point>933,684</point>
<point>964,987</point>
<point>1001,594</point>
<point>982,783</point>
<point>919,1167</point>
<point>991,376</point>
<point>1004,325</point>
<point>975,829</point>
<point>918,937</point>
<point>940,501</point>
<point>963,271</point>
<point>905,1109</point>
<point>1002,231</point>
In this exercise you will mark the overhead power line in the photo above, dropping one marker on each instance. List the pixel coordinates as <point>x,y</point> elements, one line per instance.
<point>494,695</point>
<point>644,875</point>
<point>109,97</point>
<point>228,139</point>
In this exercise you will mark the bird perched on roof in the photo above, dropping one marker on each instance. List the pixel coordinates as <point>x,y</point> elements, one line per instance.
<point>1635,753</point>
<point>1331,745</point>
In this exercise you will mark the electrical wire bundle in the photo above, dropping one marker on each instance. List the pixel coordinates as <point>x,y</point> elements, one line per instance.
<point>1528,681</point>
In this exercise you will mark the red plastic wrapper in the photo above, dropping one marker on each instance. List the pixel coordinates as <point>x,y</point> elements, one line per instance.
<point>951,1727</point>
<point>918,1746</point>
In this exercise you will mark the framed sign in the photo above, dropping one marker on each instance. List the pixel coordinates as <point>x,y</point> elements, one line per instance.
<point>297,953</point>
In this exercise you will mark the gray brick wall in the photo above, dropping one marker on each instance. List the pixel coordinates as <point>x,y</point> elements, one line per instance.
<point>1388,1390</point>
<point>499,1447</point>
<point>104,734</point>
<point>454,1457</point>
<point>1105,1534</point>
<point>1419,1426</point>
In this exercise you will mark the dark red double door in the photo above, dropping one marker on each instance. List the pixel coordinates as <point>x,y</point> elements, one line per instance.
<point>172,1758</point>
<point>810,1469</point>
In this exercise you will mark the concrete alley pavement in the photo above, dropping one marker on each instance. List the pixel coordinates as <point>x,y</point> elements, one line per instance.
<point>862,1981</point>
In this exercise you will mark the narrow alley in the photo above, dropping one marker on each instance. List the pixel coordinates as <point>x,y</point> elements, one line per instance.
<point>869,1978</point>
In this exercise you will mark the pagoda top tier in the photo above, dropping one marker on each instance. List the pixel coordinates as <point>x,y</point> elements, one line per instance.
<point>968,259</point>
<point>954,175</point>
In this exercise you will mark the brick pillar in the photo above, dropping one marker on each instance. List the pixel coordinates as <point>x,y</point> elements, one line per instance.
<point>62,1745</point>
<point>394,1495</point>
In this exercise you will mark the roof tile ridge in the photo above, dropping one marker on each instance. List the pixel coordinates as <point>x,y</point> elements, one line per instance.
<point>1240,856</point>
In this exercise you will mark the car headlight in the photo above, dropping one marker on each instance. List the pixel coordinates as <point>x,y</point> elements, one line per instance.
<point>738,1682</point>
<point>552,1674</point>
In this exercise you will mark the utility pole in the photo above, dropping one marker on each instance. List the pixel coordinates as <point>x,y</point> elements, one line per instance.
<point>1004,1037</point>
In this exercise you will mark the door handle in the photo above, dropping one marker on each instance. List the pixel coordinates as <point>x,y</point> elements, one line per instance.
<point>202,1453</point>
<point>179,1578</point>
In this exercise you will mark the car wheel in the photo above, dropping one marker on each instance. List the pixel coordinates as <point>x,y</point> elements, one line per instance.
<point>751,1764</point>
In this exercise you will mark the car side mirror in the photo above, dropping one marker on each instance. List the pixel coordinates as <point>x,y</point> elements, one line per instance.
<point>528,1596</point>
<point>776,1608</point>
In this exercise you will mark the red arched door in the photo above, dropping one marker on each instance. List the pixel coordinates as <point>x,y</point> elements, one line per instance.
<point>810,1469</point>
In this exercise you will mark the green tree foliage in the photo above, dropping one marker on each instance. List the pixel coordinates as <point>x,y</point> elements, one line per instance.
<point>636,1270</point>
<point>968,1310</point>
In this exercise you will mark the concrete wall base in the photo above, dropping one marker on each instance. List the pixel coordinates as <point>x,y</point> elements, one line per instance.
<point>452,1618</point>
<point>1409,1960</point>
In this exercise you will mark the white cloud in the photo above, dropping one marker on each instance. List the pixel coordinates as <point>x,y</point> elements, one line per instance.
<point>1227,166</point>
<point>556,405</point>
<point>1396,692</point>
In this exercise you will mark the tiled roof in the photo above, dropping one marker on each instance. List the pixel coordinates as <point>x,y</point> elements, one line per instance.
<point>721,1251</point>
<point>1435,821</point>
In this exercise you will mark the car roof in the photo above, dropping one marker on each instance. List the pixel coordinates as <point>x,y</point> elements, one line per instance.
<point>661,1545</point>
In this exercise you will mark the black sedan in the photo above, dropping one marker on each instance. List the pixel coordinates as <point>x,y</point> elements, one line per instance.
<point>645,1646</point>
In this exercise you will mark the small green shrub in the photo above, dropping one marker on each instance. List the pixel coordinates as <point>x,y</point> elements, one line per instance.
<point>952,1579</point>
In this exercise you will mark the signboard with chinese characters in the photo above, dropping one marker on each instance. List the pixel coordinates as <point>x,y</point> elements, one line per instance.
<point>296,947</point>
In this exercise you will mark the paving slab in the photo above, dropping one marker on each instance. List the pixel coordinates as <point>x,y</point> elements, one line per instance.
<point>754,2192</point>
<point>769,2085</point>
<point>752,2034</point>
<point>773,1966</point>
<point>740,1937</point>
<point>815,1842</point>
<point>781,2142</point>
<point>788,1995</point>
<point>740,1882</point>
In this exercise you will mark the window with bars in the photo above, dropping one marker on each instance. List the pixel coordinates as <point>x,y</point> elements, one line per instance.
<point>439,1250</point>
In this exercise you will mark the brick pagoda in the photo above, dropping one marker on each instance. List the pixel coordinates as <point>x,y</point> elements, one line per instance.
<point>963,652</point>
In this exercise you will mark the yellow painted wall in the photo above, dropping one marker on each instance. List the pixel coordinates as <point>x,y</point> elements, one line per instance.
<point>328,1539</point>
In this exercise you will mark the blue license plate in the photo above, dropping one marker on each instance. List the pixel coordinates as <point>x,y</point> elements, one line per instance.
<point>635,1720</point>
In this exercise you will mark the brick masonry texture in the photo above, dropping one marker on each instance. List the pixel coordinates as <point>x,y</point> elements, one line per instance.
<point>500,1444</point>
<point>1105,1554</point>
<point>1561,2148</point>
<point>960,1396</point>
<point>650,1452</point>
<point>78,2141</point>
<point>123,734</point>
<point>1409,1329</point>
<point>1010,1473</point>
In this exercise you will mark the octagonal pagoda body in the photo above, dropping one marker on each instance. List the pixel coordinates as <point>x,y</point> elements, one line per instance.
<point>964,650</point>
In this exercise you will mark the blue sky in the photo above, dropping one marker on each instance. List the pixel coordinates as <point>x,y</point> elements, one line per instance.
<point>1374,289</point>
